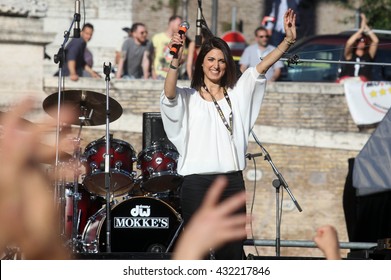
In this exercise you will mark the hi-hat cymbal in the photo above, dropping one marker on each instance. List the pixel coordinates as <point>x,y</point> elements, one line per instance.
<point>89,107</point>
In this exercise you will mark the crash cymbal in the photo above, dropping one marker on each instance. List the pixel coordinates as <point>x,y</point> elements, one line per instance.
<point>89,107</point>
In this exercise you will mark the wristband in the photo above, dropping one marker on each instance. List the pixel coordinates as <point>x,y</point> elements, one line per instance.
<point>290,43</point>
<point>174,67</point>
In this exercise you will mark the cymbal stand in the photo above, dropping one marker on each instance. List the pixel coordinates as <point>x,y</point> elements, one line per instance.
<point>280,181</point>
<point>59,192</point>
<point>107,71</point>
<point>60,197</point>
<point>76,194</point>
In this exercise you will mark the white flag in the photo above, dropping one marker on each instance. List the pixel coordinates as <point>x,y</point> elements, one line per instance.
<point>368,102</point>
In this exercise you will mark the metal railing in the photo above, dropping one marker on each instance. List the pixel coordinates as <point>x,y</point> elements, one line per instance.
<point>306,244</point>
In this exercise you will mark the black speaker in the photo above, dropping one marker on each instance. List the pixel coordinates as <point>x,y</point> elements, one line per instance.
<point>153,130</point>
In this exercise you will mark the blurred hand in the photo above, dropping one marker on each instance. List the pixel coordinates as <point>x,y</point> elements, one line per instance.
<point>327,241</point>
<point>28,214</point>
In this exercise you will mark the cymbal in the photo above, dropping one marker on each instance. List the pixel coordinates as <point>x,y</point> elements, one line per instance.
<point>89,107</point>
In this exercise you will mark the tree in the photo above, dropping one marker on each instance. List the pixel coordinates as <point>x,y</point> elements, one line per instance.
<point>376,11</point>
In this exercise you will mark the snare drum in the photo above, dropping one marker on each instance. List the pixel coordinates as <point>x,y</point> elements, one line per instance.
<point>158,165</point>
<point>121,167</point>
<point>138,224</point>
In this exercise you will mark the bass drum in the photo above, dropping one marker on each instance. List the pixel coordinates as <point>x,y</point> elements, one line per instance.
<point>138,224</point>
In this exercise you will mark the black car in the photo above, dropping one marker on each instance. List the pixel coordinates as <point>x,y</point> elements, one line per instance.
<point>329,47</point>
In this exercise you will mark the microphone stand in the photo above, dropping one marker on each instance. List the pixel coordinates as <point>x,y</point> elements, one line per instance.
<point>59,59</point>
<point>280,181</point>
<point>107,71</point>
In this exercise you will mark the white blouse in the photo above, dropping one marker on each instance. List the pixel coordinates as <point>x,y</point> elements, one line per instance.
<point>195,127</point>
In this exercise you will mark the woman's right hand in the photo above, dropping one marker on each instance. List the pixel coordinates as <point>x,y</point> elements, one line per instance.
<point>177,41</point>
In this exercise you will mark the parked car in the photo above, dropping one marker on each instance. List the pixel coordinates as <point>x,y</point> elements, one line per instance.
<point>330,47</point>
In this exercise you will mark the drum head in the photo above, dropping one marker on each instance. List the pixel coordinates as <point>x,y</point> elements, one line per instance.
<point>140,224</point>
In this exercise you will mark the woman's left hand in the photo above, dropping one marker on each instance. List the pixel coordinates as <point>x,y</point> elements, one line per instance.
<point>290,25</point>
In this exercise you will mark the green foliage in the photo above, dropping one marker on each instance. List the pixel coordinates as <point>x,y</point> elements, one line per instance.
<point>378,13</point>
<point>174,5</point>
<point>158,5</point>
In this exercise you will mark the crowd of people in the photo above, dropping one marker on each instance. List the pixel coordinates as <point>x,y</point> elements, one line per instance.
<point>138,57</point>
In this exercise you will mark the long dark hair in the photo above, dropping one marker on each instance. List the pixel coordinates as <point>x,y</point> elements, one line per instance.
<point>229,79</point>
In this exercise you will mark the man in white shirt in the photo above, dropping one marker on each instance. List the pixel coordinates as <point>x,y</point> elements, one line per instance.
<point>252,54</point>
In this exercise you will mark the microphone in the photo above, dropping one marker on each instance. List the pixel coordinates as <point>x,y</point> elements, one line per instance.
<point>76,30</point>
<point>183,27</point>
<point>198,38</point>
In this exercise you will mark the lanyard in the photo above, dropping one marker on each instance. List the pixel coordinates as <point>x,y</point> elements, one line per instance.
<point>228,126</point>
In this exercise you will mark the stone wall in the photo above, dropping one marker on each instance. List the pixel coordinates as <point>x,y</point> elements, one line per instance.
<point>22,42</point>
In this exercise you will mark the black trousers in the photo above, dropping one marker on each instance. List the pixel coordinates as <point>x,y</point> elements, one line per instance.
<point>192,194</point>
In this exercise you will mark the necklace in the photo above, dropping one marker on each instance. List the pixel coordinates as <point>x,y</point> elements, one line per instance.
<point>230,125</point>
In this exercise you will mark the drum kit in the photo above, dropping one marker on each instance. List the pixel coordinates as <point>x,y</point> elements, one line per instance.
<point>113,209</point>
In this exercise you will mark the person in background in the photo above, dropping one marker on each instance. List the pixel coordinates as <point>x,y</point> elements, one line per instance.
<point>214,117</point>
<point>252,54</point>
<point>135,60</point>
<point>360,47</point>
<point>274,23</point>
<point>89,59</point>
<point>75,63</point>
<point>118,49</point>
<point>161,53</point>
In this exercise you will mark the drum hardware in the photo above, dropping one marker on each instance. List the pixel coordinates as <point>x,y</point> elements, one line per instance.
<point>89,109</point>
<point>277,183</point>
<point>107,71</point>
<point>76,195</point>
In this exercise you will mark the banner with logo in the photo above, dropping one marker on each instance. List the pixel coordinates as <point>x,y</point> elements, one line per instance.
<point>368,102</point>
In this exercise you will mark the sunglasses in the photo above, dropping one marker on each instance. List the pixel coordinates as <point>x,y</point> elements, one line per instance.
<point>361,40</point>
